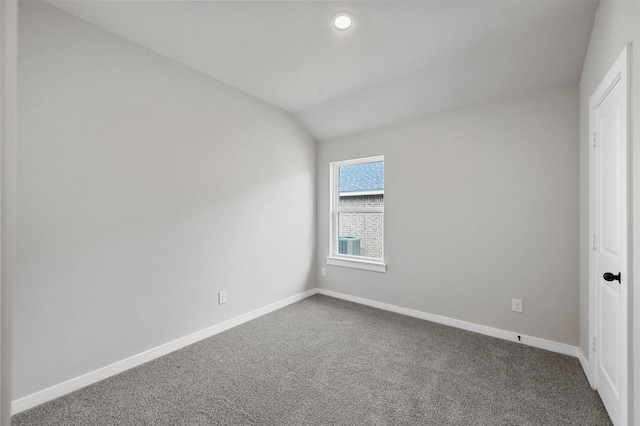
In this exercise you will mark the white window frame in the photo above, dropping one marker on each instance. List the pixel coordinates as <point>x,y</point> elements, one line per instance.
<point>338,259</point>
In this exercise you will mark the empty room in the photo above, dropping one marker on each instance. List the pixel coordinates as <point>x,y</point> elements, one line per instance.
<point>320,212</point>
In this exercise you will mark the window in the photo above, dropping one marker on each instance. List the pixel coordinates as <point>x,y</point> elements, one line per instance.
<point>357,214</point>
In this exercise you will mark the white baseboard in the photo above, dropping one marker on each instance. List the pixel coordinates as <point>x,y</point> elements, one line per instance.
<point>584,362</point>
<point>469,326</point>
<point>76,383</point>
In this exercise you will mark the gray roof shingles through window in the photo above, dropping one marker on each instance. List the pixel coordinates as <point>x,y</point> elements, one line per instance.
<point>362,177</point>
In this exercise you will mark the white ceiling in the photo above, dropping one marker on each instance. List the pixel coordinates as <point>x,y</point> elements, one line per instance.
<point>401,60</point>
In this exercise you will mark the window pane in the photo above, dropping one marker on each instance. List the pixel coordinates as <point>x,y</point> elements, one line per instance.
<point>358,180</point>
<point>360,234</point>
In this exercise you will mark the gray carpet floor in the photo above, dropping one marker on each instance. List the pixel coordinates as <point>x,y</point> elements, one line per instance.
<point>324,361</point>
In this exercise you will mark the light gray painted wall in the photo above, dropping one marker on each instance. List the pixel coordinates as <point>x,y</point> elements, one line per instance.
<point>481,206</point>
<point>143,189</point>
<point>617,23</point>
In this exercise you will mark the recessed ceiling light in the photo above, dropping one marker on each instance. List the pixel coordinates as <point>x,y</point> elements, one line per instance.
<point>342,20</point>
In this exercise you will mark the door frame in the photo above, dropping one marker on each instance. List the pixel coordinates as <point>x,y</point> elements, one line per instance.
<point>619,72</point>
<point>8,146</point>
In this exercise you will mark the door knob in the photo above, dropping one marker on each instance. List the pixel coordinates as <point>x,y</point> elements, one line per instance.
<point>608,276</point>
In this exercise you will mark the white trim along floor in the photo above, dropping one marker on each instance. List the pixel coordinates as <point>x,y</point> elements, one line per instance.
<point>76,383</point>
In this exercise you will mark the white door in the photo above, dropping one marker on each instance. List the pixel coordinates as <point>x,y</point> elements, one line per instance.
<point>609,172</point>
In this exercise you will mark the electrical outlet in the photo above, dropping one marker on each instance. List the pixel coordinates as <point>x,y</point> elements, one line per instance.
<point>222,297</point>
<point>323,272</point>
<point>516,305</point>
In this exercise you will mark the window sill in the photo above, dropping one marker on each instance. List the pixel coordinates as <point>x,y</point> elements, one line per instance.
<point>358,264</point>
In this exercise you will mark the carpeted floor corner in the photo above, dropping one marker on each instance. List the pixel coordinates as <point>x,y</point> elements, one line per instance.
<point>324,361</point>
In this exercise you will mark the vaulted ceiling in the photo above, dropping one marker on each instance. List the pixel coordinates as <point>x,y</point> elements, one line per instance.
<point>401,60</point>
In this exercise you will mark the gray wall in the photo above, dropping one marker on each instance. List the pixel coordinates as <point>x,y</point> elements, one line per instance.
<point>143,189</point>
<point>617,23</point>
<point>481,206</point>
